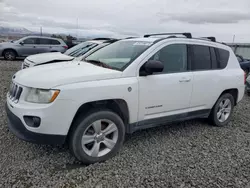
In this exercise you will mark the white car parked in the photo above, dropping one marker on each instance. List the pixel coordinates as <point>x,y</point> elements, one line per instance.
<point>79,51</point>
<point>129,85</point>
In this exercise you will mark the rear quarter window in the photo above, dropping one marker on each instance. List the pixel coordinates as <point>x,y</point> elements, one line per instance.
<point>55,42</point>
<point>222,57</point>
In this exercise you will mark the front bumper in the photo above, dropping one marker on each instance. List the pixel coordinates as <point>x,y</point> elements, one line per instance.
<point>17,128</point>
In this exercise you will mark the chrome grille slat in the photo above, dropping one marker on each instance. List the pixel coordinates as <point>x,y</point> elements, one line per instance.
<point>25,66</point>
<point>15,92</point>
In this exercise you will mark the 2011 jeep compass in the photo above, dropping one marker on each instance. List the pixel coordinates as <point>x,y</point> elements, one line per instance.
<point>129,85</point>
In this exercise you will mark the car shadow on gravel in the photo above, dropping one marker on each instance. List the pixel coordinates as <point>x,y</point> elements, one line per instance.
<point>17,59</point>
<point>136,138</point>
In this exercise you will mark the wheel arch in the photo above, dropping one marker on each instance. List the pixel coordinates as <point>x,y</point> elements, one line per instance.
<point>118,106</point>
<point>9,49</point>
<point>234,92</point>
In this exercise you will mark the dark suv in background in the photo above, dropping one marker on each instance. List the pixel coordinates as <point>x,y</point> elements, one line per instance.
<point>31,45</point>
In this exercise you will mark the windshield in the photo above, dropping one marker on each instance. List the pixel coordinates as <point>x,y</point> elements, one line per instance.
<point>80,49</point>
<point>80,58</point>
<point>119,54</point>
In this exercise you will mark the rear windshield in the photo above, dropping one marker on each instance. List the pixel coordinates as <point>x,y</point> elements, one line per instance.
<point>119,54</point>
<point>80,49</point>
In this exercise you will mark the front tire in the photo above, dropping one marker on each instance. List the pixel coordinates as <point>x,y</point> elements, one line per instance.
<point>222,111</point>
<point>97,136</point>
<point>9,55</point>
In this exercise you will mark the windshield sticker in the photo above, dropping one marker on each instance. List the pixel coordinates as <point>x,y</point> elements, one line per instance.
<point>143,43</point>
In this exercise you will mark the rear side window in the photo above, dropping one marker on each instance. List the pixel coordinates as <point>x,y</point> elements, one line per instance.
<point>201,58</point>
<point>55,42</point>
<point>44,41</point>
<point>222,57</point>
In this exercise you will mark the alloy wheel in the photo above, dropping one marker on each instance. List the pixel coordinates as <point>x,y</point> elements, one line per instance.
<point>9,56</point>
<point>99,138</point>
<point>224,110</point>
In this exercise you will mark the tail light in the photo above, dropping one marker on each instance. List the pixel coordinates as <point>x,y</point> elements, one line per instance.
<point>66,47</point>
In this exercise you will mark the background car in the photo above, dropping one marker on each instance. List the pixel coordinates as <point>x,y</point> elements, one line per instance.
<point>31,45</point>
<point>244,63</point>
<point>79,51</point>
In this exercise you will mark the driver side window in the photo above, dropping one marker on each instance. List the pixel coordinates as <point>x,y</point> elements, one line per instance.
<point>30,41</point>
<point>174,58</point>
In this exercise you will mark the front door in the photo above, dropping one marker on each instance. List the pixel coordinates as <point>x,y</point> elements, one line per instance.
<point>169,92</point>
<point>28,47</point>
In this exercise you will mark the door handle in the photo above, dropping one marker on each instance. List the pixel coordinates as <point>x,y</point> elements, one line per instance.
<point>185,80</point>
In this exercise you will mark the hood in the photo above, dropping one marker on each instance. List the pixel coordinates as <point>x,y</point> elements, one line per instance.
<point>5,43</point>
<point>48,57</point>
<point>52,75</point>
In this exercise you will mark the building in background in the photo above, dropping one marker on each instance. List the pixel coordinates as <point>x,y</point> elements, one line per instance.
<point>242,49</point>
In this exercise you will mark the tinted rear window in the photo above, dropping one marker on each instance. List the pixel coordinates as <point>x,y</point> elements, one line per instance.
<point>201,58</point>
<point>222,57</point>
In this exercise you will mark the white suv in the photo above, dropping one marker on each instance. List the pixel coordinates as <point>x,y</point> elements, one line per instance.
<point>129,85</point>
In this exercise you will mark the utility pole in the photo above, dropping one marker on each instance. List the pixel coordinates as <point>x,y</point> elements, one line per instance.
<point>41,31</point>
<point>77,28</point>
<point>233,39</point>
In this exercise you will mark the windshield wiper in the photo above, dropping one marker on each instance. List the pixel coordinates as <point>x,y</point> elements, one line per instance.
<point>99,63</point>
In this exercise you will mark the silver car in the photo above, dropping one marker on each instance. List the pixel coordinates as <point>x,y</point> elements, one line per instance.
<point>31,45</point>
<point>78,52</point>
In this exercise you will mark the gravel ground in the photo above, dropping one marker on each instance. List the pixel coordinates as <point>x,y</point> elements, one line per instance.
<point>189,154</point>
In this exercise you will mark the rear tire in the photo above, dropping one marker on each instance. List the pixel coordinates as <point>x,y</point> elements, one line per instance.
<point>97,136</point>
<point>9,55</point>
<point>222,111</point>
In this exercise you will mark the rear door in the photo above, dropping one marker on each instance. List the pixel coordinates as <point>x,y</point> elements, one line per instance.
<point>56,46</point>
<point>207,77</point>
<point>44,45</point>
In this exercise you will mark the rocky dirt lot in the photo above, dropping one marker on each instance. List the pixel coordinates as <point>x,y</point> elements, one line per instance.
<point>189,154</point>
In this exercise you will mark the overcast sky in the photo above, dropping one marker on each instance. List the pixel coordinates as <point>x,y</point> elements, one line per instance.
<point>220,18</point>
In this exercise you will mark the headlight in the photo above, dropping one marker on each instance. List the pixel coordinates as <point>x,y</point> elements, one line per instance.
<point>42,95</point>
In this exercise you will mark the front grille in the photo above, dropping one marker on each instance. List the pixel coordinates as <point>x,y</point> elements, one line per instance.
<point>25,64</point>
<point>15,92</point>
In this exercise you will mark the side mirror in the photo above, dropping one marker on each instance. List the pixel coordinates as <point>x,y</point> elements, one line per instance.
<point>151,67</point>
<point>22,43</point>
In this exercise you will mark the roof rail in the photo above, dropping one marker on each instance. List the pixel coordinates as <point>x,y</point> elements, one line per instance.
<point>129,37</point>
<point>111,41</point>
<point>188,35</point>
<point>103,39</point>
<point>213,39</point>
